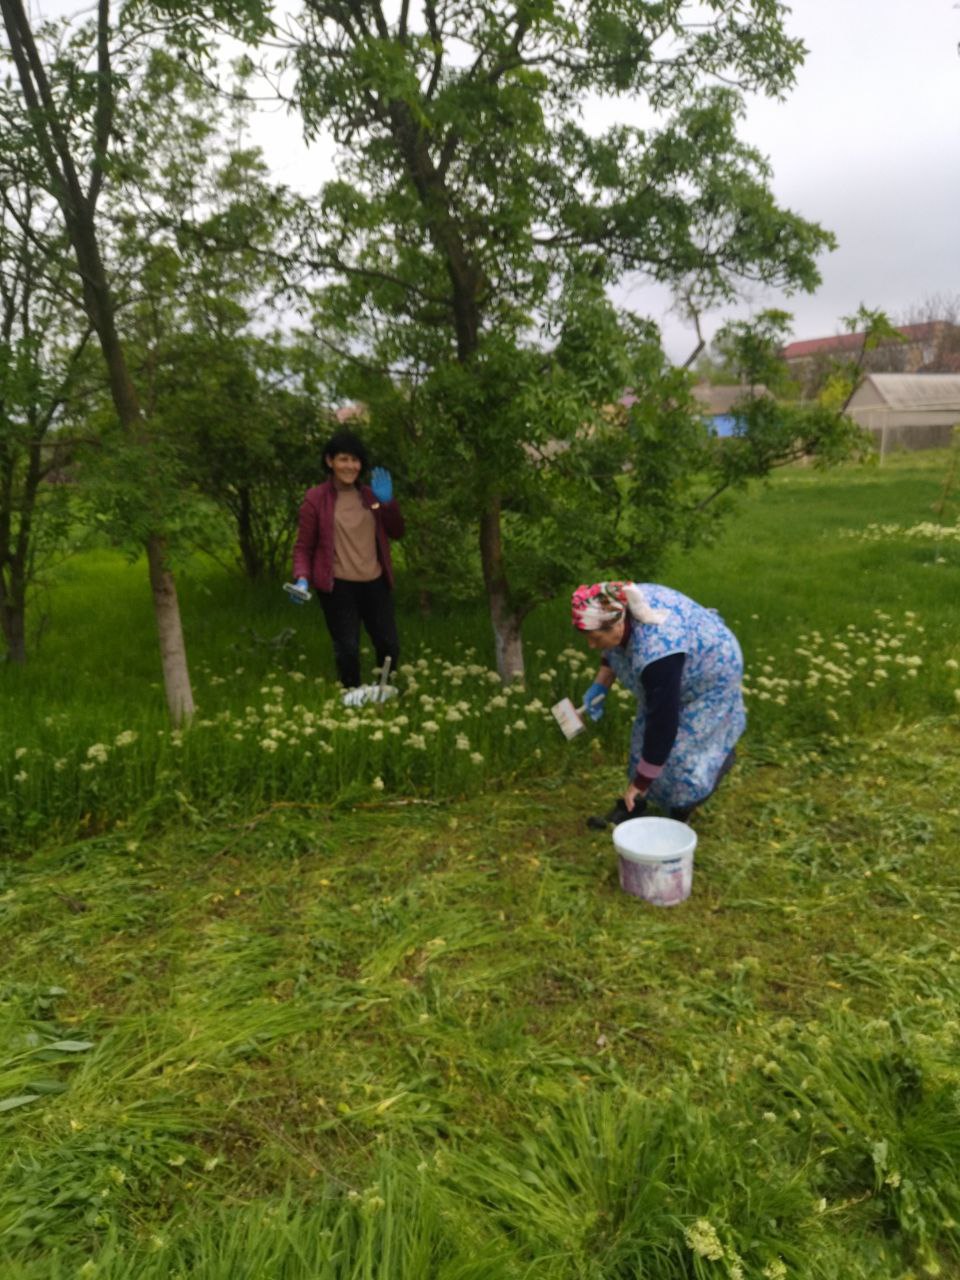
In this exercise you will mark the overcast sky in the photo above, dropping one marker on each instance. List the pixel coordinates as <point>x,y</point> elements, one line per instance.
<point>867,144</point>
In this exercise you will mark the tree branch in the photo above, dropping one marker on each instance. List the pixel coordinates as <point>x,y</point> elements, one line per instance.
<point>103,115</point>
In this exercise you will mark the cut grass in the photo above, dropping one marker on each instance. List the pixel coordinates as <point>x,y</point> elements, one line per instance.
<point>311,1005</point>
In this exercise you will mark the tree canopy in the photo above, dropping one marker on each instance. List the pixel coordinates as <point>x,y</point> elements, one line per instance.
<point>480,216</point>
<point>501,169</point>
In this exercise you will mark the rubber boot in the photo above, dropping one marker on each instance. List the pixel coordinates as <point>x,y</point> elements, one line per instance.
<point>619,813</point>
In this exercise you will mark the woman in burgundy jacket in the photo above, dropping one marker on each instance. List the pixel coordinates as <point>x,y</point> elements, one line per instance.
<point>343,551</point>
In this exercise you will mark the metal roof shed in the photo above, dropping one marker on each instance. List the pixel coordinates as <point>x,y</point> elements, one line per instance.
<point>908,410</point>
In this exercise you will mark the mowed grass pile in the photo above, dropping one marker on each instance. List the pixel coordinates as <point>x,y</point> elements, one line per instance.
<point>331,1029</point>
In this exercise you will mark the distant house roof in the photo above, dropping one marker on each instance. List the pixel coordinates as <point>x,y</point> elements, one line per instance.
<point>844,342</point>
<point>912,391</point>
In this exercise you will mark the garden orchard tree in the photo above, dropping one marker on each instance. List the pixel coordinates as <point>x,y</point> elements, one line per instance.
<point>477,222</point>
<point>229,386</point>
<point>68,114</point>
<point>42,341</point>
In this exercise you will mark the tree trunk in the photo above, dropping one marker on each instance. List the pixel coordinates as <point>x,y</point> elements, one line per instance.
<point>173,654</point>
<point>78,207</point>
<point>252,562</point>
<point>506,618</point>
<point>13,601</point>
<point>13,625</point>
<point>166,605</point>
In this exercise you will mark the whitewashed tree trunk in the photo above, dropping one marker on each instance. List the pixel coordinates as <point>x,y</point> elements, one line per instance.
<point>509,649</point>
<point>506,619</point>
<point>173,653</point>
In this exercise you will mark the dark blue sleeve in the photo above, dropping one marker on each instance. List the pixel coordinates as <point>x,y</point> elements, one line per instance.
<point>661,688</point>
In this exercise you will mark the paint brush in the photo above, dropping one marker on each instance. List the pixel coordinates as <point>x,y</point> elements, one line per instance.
<point>568,717</point>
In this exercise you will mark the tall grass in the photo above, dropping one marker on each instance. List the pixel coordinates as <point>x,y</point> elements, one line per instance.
<point>838,632</point>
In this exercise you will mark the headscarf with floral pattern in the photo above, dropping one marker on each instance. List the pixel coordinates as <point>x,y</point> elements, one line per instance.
<point>606,603</point>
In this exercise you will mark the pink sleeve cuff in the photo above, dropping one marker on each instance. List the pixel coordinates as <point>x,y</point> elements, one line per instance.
<point>645,770</point>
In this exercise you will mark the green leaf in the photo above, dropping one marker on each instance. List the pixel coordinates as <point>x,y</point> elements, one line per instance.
<point>71,1046</point>
<point>8,1104</point>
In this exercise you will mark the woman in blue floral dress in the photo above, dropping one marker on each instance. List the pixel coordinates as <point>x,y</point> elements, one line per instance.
<point>685,668</point>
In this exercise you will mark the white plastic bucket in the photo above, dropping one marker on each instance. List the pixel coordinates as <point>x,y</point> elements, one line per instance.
<point>656,859</point>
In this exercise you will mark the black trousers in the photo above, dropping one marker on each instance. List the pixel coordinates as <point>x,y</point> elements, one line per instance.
<point>344,608</point>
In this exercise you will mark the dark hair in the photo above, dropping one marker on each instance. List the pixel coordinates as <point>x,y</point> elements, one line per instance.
<point>345,442</point>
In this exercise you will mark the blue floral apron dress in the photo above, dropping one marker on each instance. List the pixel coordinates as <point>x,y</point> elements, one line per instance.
<point>712,714</point>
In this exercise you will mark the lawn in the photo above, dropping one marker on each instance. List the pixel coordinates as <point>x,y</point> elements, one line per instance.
<point>384,1011</point>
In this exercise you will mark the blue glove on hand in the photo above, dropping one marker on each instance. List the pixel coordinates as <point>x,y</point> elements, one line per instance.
<point>593,700</point>
<point>303,585</point>
<point>381,484</point>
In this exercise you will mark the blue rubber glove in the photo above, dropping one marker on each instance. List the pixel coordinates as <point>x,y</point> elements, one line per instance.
<point>381,484</point>
<point>303,584</point>
<point>593,700</point>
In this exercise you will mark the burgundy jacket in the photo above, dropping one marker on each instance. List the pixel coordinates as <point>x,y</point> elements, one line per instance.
<point>313,549</point>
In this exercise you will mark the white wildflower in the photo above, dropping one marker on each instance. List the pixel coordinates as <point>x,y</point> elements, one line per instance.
<point>703,1240</point>
<point>268,744</point>
<point>377,784</point>
<point>98,753</point>
<point>125,739</point>
<point>22,776</point>
<point>20,753</point>
<point>477,758</point>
